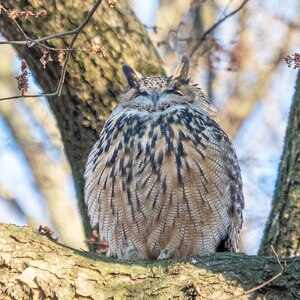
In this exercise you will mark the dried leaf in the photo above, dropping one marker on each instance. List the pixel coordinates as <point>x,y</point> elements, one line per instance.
<point>288,60</point>
<point>41,14</point>
<point>112,3</point>
<point>23,78</point>
<point>61,57</point>
<point>14,14</point>
<point>296,60</point>
<point>45,230</point>
<point>97,49</point>
<point>102,246</point>
<point>45,58</point>
<point>23,65</point>
<point>25,15</point>
<point>293,60</point>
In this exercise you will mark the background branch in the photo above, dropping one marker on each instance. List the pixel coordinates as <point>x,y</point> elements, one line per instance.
<point>213,28</point>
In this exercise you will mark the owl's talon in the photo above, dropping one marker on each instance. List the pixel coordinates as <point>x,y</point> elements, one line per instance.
<point>164,254</point>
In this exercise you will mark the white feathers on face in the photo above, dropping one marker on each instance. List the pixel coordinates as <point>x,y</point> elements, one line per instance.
<point>157,93</point>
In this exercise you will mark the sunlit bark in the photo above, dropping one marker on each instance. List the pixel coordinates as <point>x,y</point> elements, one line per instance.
<point>282,230</point>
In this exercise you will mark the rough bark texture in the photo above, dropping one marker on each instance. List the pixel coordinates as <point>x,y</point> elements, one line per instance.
<point>283,229</point>
<point>92,83</point>
<point>34,267</point>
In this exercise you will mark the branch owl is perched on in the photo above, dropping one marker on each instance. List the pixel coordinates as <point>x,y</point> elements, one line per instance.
<point>163,180</point>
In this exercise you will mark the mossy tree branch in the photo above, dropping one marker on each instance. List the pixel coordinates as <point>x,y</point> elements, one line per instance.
<point>43,268</point>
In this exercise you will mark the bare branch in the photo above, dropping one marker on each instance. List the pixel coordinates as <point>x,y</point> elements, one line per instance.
<point>31,42</point>
<point>181,33</point>
<point>30,96</point>
<point>76,32</point>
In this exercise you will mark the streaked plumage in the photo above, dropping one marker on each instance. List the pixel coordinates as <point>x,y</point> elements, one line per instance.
<point>163,179</point>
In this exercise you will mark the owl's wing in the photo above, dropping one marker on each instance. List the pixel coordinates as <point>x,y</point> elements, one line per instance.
<point>97,168</point>
<point>217,164</point>
<point>236,195</point>
<point>110,185</point>
<point>187,180</point>
<point>190,175</point>
<point>91,195</point>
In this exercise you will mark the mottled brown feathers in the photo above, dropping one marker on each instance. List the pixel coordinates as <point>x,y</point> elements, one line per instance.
<point>163,179</point>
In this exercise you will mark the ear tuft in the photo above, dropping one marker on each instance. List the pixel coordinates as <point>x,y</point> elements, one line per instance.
<point>131,75</point>
<point>182,70</point>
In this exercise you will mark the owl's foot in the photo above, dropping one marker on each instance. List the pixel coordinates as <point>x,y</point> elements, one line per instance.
<point>165,254</point>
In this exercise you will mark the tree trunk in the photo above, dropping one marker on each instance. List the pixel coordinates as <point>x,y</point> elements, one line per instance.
<point>93,83</point>
<point>43,269</point>
<point>283,229</point>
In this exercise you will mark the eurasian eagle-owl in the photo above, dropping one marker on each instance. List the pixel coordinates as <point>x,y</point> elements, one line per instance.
<point>163,180</point>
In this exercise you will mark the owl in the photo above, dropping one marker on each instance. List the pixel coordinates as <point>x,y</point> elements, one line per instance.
<point>163,180</point>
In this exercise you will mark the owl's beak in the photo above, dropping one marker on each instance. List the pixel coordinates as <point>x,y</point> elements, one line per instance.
<point>155,97</point>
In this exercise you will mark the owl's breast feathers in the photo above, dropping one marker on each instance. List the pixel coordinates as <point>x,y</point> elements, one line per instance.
<point>164,181</point>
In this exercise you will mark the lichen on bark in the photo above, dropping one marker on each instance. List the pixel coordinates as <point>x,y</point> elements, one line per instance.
<point>32,266</point>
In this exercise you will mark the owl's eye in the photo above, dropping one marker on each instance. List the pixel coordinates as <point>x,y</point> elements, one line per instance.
<point>176,92</point>
<point>140,93</point>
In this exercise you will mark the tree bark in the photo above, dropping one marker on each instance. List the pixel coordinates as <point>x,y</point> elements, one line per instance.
<point>35,267</point>
<point>93,83</point>
<point>283,229</point>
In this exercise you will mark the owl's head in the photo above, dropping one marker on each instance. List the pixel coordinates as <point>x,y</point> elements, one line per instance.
<point>158,93</point>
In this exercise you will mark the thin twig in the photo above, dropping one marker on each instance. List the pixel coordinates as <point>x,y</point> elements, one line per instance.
<point>76,32</point>
<point>30,42</point>
<point>79,29</point>
<point>217,24</point>
<point>154,28</point>
<point>225,9</point>
<point>30,96</point>
<point>278,260</point>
